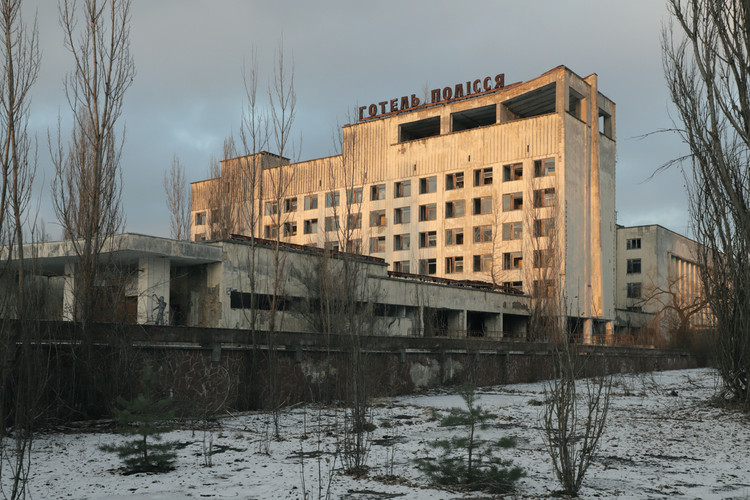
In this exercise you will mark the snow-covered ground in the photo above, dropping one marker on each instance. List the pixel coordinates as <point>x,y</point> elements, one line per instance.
<point>663,439</point>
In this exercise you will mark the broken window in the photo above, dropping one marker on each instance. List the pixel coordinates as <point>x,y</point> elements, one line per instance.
<point>454,264</point>
<point>454,236</point>
<point>512,260</point>
<point>428,184</point>
<point>454,181</point>
<point>473,118</point>
<point>401,266</point>
<point>513,172</point>
<point>483,205</point>
<point>483,263</point>
<point>633,244</point>
<point>290,229</point>
<point>377,244</point>
<point>455,209</point>
<point>377,218</point>
<point>483,234</point>
<point>377,192</point>
<point>512,201</point>
<point>354,245</point>
<point>512,231</point>
<point>483,176</point>
<point>543,168</point>
<point>311,202</point>
<point>419,129</point>
<point>332,223</point>
<point>544,197</point>
<point>542,258</point>
<point>544,227</point>
<point>333,199</point>
<point>428,212</point>
<point>290,205</point>
<point>634,290</point>
<point>271,232</point>
<point>402,215</point>
<point>544,288</point>
<point>402,189</point>
<point>272,208</point>
<point>355,221</point>
<point>427,266</point>
<point>427,239</point>
<point>354,195</point>
<point>634,266</point>
<point>310,226</point>
<point>401,242</point>
<point>200,219</point>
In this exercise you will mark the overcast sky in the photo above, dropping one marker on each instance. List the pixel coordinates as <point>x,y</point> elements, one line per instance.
<point>187,95</point>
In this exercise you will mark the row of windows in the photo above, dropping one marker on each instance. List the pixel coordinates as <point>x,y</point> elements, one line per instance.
<point>480,263</point>
<point>402,189</point>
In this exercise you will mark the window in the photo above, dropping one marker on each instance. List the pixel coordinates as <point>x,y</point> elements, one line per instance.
<point>377,192</point>
<point>542,258</point>
<point>512,231</point>
<point>200,219</point>
<point>354,195</point>
<point>483,234</point>
<point>516,286</point>
<point>483,263</point>
<point>428,185</point>
<point>290,229</point>
<point>427,266</point>
<point>513,172</point>
<point>634,290</point>
<point>428,239</point>
<point>402,189</point>
<point>332,223</point>
<point>634,244</point>
<point>377,244</point>
<point>544,197</point>
<point>543,227</point>
<point>354,221</point>
<point>454,181</point>
<point>634,266</point>
<point>544,288</point>
<point>290,205</point>
<point>354,245</point>
<point>310,226</point>
<point>483,176</point>
<point>311,202</point>
<point>512,201</point>
<point>244,300</point>
<point>200,237</point>
<point>454,264</point>
<point>483,205</point>
<point>455,209</point>
<point>512,260</point>
<point>272,208</point>
<point>401,266</point>
<point>401,242</point>
<point>454,236</point>
<point>271,231</point>
<point>544,167</point>
<point>428,212</point>
<point>333,246</point>
<point>377,218</point>
<point>333,199</point>
<point>402,215</point>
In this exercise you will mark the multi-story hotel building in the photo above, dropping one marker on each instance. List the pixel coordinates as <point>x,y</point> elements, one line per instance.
<point>510,184</point>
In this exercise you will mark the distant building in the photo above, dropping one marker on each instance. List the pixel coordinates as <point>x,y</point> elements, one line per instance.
<point>485,182</point>
<point>658,280</point>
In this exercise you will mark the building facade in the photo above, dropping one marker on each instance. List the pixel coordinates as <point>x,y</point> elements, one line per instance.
<point>658,281</point>
<point>507,184</point>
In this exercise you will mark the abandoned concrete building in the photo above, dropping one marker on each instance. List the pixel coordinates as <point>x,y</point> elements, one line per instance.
<point>151,280</point>
<point>511,185</point>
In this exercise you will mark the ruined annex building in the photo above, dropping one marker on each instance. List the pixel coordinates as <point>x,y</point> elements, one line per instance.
<point>507,184</point>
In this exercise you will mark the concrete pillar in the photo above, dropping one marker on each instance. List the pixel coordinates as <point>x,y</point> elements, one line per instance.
<point>153,283</point>
<point>69,293</point>
<point>588,336</point>
<point>610,332</point>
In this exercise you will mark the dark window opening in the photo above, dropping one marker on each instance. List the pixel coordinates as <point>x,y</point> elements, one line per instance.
<point>421,129</point>
<point>473,118</point>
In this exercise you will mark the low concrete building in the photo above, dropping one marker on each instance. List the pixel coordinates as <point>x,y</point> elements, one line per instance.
<point>245,283</point>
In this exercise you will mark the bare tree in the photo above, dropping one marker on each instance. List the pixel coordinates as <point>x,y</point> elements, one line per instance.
<point>705,64</point>
<point>178,200</point>
<point>86,191</point>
